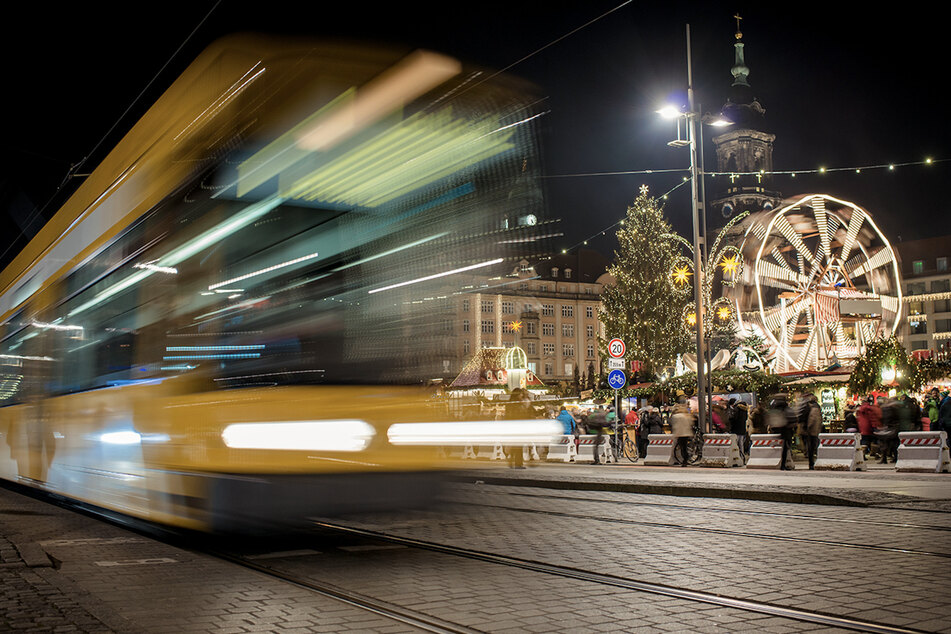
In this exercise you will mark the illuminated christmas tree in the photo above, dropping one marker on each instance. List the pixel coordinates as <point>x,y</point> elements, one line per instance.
<point>643,307</point>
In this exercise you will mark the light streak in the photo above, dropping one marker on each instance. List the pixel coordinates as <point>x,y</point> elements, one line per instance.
<point>282,265</point>
<point>301,435</point>
<point>437,275</point>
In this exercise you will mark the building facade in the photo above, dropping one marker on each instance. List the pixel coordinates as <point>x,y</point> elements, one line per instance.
<point>926,327</point>
<point>554,301</point>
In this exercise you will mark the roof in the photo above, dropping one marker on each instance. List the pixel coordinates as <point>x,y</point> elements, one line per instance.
<point>486,369</point>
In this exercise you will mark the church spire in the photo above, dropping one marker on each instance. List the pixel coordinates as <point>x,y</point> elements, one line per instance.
<point>740,70</point>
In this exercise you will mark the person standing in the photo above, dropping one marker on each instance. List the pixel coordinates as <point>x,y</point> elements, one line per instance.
<point>599,421</point>
<point>738,415</point>
<point>869,418</point>
<point>944,413</point>
<point>681,428</point>
<point>781,420</point>
<point>811,430</point>
<point>520,409</point>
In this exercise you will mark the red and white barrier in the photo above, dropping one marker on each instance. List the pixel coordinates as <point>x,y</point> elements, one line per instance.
<point>660,450</point>
<point>562,449</point>
<point>840,452</point>
<point>766,452</point>
<point>586,449</point>
<point>925,451</point>
<point>720,450</point>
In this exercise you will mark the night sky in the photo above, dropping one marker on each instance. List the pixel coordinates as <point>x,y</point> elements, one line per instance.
<point>841,89</point>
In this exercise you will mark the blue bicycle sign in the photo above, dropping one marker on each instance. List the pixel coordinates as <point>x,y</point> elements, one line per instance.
<point>616,379</point>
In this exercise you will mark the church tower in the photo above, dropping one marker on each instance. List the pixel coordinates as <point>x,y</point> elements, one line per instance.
<point>745,150</point>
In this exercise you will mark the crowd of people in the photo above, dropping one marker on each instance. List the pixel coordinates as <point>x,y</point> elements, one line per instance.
<point>798,416</point>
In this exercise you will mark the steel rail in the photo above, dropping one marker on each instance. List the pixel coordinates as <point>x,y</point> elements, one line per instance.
<point>830,620</point>
<point>796,516</point>
<point>716,531</point>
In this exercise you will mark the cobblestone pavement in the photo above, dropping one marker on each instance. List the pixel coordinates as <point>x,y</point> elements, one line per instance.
<point>103,578</point>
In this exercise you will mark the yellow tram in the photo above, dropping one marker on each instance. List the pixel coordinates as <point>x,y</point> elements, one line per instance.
<point>220,325</point>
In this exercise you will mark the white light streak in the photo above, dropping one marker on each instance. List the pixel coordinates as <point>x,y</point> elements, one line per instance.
<point>304,258</point>
<point>149,266</point>
<point>437,275</point>
<point>304,435</point>
<point>458,434</point>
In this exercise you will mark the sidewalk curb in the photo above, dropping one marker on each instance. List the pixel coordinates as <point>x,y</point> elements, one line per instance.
<point>792,497</point>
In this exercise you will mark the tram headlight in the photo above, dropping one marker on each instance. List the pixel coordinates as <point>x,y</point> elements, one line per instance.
<point>301,435</point>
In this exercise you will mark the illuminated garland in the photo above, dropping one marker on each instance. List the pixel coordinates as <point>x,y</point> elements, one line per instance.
<point>882,354</point>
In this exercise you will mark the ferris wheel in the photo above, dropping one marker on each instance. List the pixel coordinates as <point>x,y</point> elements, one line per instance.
<point>818,281</point>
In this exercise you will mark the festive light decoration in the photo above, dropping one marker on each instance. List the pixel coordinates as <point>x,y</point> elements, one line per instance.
<point>682,275</point>
<point>884,364</point>
<point>643,307</point>
<point>516,326</point>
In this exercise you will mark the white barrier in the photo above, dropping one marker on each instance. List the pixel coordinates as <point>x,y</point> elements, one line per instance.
<point>562,448</point>
<point>586,449</point>
<point>766,452</point>
<point>720,450</point>
<point>925,451</point>
<point>530,453</point>
<point>660,449</point>
<point>840,452</point>
<point>491,452</point>
<point>466,452</point>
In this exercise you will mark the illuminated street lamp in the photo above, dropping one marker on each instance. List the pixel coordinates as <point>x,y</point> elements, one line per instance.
<point>692,139</point>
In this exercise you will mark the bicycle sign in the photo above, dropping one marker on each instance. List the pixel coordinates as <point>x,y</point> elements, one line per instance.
<point>616,379</point>
<point>616,348</point>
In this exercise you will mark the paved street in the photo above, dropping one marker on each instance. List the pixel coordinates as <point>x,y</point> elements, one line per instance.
<point>498,558</point>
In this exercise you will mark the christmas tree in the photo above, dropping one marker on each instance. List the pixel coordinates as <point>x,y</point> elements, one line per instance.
<point>643,307</point>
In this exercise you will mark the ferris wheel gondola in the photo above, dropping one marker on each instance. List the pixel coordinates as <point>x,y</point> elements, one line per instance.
<point>819,279</point>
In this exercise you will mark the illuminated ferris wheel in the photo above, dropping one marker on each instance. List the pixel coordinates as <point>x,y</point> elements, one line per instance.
<point>819,280</point>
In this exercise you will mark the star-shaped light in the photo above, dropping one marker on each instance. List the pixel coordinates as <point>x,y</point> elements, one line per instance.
<point>643,190</point>
<point>516,326</point>
<point>723,313</point>
<point>692,319</point>
<point>730,264</point>
<point>682,275</point>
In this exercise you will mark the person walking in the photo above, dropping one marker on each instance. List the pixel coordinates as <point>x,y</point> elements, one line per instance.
<point>944,412</point>
<point>887,433</point>
<point>738,415</point>
<point>599,421</point>
<point>681,428</point>
<point>520,409</point>
<point>781,419</point>
<point>812,429</point>
<point>931,407</point>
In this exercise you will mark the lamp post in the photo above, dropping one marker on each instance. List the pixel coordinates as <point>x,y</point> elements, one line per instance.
<point>693,142</point>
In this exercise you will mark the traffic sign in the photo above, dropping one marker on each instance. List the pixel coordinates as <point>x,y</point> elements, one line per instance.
<point>615,364</point>
<point>616,348</point>
<point>616,379</point>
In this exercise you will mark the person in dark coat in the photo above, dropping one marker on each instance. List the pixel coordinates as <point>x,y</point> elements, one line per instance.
<point>739,412</point>
<point>812,429</point>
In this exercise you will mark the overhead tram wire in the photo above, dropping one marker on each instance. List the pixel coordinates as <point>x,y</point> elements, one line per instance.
<point>74,168</point>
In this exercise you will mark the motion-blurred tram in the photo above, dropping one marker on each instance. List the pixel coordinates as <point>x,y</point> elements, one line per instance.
<point>219,327</point>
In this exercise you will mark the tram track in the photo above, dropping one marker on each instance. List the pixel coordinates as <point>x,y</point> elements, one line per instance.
<point>713,531</point>
<point>825,619</point>
<point>712,509</point>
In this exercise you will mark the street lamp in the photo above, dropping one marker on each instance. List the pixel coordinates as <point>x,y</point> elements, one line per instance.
<point>693,140</point>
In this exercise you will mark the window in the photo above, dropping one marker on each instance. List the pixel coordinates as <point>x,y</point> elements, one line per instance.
<point>589,312</point>
<point>918,288</point>
<point>488,327</point>
<point>508,344</point>
<point>527,308</point>
<point>549,368</point>
<point>918,327</point>
<point>465,347</point>
<point>569,367</point>
<point>568,277</point>
<point>567,330</point>
<point>589,330</point>
<point>919,345</point>
<point>548,330</point>
<point>554,271</point>
<point>465,325</point>
<point>488,306</point>
<point>917,266</point>
<point>942,325</point>
<point>523,286</point>
<point>942,306</point>
<point>508,308</point>
<point>941,286</point>
<point>548,349</point>
<point>548,309</point>
<point>587,290</point>
<point>533,367</point>
<point>568,349</point>
<point>543,288</point>
<point>465,305</point>
<point>531,328</point>
<point>567,310</point>
<point>942,264</point>
<point>530,348</point>
<point>590,351</point>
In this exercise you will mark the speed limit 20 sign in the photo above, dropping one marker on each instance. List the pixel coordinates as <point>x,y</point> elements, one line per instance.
<point>616,348</point>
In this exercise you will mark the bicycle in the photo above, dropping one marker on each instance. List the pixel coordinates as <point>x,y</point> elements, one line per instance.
<point>623,445</point>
